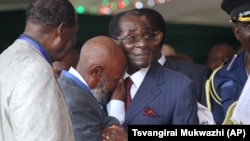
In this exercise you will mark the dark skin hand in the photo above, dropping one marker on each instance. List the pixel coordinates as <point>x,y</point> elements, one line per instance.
<point>119,92</point>
<point>114,133</point>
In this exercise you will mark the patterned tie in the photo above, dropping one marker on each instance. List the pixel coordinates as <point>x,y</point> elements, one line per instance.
<point>128,84</point>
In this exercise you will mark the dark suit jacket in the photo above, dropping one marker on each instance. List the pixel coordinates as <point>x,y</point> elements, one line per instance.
<point>198,73</point>
<point>164,97</point>
<point>87,117</point>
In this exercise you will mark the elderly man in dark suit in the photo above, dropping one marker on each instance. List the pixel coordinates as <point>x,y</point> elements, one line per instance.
<point>198,73</point>
<point>159,95</point>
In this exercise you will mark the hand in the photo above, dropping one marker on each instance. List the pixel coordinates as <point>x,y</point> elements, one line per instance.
<point>114,133</point>
<point>119,92</point>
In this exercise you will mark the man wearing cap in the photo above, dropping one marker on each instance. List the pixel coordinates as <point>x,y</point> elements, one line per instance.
<point>225,85</point>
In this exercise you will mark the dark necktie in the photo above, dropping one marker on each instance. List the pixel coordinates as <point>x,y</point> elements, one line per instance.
<point>128,84</point>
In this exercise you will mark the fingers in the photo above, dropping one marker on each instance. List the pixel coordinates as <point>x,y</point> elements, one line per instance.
<point>115,126</point>
<point>106,133</point>
<point>114,133</point>
<point>119,92</point>
<point>105,138</point>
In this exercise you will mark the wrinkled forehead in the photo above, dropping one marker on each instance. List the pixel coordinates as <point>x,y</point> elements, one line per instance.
<point>132,23</point>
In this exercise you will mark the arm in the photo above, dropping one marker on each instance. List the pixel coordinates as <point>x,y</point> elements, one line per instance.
<point>37,109</point>
<point>186,105</point>
<point>116,106</point>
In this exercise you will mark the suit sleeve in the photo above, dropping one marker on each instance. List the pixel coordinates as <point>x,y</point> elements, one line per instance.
<point>37,109</point>
<point>87,117</point>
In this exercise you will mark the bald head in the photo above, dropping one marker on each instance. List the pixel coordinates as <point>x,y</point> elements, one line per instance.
<point>101,56</point>
<point>101,49</point>
<point>168,50</point>
<point>102,64</point>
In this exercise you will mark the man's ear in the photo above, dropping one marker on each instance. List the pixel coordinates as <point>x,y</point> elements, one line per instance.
<point>96,71</point>
<point>236,31</point>
<point>158,36</point>
<point>61,28</point>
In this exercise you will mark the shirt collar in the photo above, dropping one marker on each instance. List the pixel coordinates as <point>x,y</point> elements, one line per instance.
<point>138,76</point>
<point>76,74</point>
<point>162,60</point>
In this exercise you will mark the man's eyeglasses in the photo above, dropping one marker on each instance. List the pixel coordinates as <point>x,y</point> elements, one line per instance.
<point>135,38</point>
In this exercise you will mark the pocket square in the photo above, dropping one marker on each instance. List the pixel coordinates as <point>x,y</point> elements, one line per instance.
<point>149,112</point>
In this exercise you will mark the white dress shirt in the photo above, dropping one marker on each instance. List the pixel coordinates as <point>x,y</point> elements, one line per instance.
<point>76,74</point>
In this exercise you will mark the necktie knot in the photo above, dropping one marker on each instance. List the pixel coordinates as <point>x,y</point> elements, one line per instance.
<point>128,83</point>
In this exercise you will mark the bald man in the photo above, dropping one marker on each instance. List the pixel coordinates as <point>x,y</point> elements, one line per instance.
<point>86,88</point>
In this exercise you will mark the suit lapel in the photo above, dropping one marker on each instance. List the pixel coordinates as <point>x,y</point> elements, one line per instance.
<point>147,92</point>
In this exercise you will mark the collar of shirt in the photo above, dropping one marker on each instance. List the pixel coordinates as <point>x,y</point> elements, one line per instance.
<point>137,79</point>
<point>162,60</point>
<point>38,46</point>
<point>76,74</point>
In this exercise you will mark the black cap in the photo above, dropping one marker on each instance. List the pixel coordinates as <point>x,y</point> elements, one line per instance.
<point>239,10</point>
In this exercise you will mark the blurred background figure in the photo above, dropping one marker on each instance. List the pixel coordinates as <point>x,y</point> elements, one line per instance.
<point>182,57</point>
<point>168,50</point>
<point>219,54</point>
<point>70,60</point>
